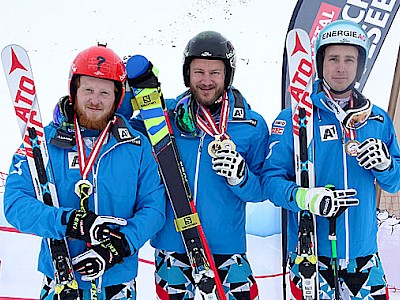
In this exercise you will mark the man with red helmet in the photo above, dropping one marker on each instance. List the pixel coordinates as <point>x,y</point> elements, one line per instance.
<point>91,145</point>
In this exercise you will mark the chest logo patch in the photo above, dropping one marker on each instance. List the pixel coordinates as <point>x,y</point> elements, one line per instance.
<point>328,133</point>
<point>73,161</point>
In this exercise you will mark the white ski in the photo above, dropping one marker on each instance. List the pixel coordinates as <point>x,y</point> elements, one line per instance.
<point>18,72</point>
<point>298,47</point>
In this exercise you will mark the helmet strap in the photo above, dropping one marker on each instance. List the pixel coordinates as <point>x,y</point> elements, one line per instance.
<point>336,92</point>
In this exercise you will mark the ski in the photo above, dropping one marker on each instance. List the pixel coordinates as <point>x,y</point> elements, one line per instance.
<point>18,72</point>
<point>148,99</point>
<point>298,47</point>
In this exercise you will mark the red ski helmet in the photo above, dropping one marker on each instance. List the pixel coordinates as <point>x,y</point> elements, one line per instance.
<point>100,62</point>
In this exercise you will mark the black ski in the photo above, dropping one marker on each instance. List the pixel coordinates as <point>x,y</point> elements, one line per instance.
<point>148,98</point>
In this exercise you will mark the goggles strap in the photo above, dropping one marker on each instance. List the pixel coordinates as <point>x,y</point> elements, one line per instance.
<point>340,113</point>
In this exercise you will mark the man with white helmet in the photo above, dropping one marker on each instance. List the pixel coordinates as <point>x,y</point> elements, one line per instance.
<point>354,146</point>
<point>90,144</point>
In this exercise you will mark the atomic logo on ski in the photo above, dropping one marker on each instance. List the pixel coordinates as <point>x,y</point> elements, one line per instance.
<point>24,98</point>
<point>15,63</point>
<point>300,83</point>
<point>298,46</point>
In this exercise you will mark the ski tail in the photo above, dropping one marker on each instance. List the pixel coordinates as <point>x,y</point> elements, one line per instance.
<point>298,47</point>
<point>20,81</point>
<point>148,99</point>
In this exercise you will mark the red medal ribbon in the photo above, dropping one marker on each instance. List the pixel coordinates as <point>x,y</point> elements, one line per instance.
<point>206,122</point>
<point>85,165</point>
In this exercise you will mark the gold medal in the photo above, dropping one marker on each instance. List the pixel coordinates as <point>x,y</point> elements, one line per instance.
<point>228,145</point>
<point>217,144</point>
<point>351,147</point>
<point>214,146</point>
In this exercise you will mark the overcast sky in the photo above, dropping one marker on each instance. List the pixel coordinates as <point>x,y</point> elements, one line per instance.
<point>55,31</point>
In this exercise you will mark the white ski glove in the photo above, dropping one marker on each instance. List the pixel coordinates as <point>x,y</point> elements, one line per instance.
<point>373,154</point>
<point>230,164</point>
<point>323,201</point>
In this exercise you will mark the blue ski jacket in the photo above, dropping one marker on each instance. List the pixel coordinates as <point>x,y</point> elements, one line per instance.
<point>221,207</point>
<point>126,184</point>
<point>357,226</point>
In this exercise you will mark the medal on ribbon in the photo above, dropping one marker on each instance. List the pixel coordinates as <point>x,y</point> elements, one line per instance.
<point>218,144</point>
<point>206,123</point>
<point>351,147</point>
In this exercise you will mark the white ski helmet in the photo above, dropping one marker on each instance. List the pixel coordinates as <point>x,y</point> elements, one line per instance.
<point>342,32</point>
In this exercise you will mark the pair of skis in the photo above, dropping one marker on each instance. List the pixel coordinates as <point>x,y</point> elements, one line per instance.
<point>298,48</point>
<point>20,81</point>
<point>299,53</point>
<point>148,99</point>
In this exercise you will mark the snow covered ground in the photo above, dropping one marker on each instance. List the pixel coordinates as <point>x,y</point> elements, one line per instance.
<point>18,256</point>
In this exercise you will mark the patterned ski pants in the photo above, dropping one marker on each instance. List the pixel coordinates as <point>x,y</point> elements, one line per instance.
<point>174,280</point>
<point>363,278</point>
<point>123,291</point>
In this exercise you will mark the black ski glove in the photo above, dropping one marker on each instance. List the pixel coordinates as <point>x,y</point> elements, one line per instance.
<point>91,228</point>
<point>92,263</point>
<point>146,77</point>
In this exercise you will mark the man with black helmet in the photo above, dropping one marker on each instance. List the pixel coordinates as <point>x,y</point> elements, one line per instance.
<point>91,145</point>
<point>222,144</point>
<point>354,145</point>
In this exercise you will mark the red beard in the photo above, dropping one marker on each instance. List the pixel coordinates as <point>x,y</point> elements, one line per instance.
<point>90,123</point>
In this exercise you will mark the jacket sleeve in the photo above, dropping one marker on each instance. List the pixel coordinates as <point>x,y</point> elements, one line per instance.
<point>149,215</point>
<point>278,174</point>
<point>249,190</point>
<point>389,180</point>
<point>23,210</point>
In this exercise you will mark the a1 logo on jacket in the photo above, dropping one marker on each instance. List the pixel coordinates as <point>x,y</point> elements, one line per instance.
<point>328,133</point>
<point>73,161</point>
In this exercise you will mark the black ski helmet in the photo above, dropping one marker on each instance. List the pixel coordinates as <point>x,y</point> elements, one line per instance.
<point>210,45</point>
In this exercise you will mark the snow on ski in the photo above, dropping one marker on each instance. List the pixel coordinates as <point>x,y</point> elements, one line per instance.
<point>298,47</point>
<point>149,100</point>
<point>20,81</point>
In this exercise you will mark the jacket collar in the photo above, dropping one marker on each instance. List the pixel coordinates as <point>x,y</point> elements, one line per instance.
<point>238,106</point>
<point>318,96</point>
<point>120,132</point>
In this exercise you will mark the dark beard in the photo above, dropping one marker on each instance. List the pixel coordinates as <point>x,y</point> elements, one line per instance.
<point>90,123</point>
<point>214,108</point>
<point>196,96</point>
